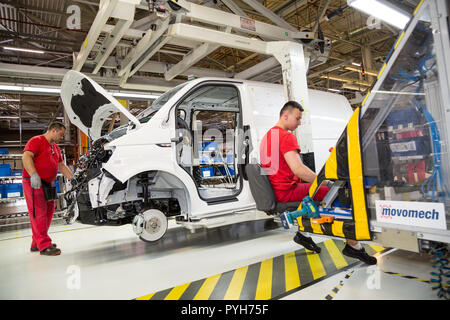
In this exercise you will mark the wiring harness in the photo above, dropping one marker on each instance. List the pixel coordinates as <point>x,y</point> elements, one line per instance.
<point>440,280</point>
<point>433,187</point>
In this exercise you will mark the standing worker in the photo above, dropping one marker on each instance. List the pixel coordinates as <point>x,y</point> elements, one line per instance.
<point>280,155</point>
<point>41,162</point>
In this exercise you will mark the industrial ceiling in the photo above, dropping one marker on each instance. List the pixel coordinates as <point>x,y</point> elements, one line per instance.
<point>49,27</point>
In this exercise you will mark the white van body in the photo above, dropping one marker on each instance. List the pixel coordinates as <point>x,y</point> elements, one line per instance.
<point>152,147</point>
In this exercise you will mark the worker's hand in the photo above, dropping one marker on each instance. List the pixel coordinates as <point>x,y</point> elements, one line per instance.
<point>35,181</point>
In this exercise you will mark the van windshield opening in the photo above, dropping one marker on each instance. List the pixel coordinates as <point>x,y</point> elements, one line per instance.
<point>148,113</point>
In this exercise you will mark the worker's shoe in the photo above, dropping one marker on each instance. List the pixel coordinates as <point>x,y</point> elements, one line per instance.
<point>307,242</point>
<point>36,249</point>
<point>359,254</point>
<point>51,251</point>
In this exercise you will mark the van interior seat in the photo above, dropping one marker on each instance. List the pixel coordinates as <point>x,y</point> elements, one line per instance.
<point>262,192</point>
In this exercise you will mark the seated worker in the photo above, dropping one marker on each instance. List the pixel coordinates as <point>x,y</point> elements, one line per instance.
<point>291,179</point>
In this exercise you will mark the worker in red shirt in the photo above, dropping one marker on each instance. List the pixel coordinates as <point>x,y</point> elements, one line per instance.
<point>290,178</point>
<point>41,162</point>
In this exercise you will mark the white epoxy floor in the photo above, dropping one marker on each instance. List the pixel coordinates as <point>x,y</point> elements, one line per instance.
<point>110,262</point>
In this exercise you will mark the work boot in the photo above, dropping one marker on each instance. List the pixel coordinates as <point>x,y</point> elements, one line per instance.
<point>51,251</point>
<point>36,249</point>
<point>307,242</point>
<point>359,254</point>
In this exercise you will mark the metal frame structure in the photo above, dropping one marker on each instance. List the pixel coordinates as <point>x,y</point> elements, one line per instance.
<point>293,54</point>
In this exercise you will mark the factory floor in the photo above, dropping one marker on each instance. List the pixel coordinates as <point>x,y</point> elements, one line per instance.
<point>250,261</point>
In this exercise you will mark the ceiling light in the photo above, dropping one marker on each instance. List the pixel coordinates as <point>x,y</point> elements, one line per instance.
<point>356,64</point>
<point>24,50</point>
<point>135,95</point>
<point>334,90</point>
<point>381,11</point>
<point>58,91</point>
<point>400,93</point>
<point>29,89</point>
<point>40,89</point>
<point>9,117</point>
<point>11,88</point>
<point>9,100</point>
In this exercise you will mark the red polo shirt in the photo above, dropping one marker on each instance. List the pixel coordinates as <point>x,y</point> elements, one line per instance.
<point>286,185</point>
<point>46,158</point>
<point>274,145</point>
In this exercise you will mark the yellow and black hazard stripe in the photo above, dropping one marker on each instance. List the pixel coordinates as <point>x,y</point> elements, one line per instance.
<point>344,164</point>
<point>336,289</point>
<point>405,276</point>
<point>269,279</point>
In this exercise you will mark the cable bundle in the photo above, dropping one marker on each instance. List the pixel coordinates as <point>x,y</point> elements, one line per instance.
<point>440,277</point>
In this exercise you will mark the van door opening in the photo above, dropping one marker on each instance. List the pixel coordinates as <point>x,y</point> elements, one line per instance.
<point>208,120</point>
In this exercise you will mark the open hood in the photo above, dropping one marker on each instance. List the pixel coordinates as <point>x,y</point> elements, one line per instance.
<point>88,105</point>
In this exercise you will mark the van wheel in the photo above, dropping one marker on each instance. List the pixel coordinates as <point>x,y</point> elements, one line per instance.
<point>154,225</point>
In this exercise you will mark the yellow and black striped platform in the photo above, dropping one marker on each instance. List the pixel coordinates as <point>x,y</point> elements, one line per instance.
<point>269,279</point>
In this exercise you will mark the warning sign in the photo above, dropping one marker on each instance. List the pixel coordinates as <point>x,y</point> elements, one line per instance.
<point>248,24</point>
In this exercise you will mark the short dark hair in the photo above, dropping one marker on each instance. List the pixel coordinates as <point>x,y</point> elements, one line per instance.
<point>288,106</point>
<point>56,125</point>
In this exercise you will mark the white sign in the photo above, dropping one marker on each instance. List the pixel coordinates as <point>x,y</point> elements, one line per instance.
<point>420,214</point>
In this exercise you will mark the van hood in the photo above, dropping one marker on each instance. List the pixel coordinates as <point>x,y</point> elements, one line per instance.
<point>88,105</point>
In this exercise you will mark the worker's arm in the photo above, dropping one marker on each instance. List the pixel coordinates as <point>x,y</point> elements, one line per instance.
<point>66,172</point>
<point>27,162</point>
<point>297,167</point>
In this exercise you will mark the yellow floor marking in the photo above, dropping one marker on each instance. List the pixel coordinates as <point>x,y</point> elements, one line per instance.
<point>336,255</point>
<point>207,288</point>
<point>146,297</point>
<point>236,284</point>
<point>317,268</point>
<point>264,287</point>
<point>176,292</point>
<point>291,271</point>
<point>376,248</point>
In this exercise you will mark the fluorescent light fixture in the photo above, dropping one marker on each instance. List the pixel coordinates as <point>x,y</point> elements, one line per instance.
<point>9,100</point>
<point>23,50</point>
<point>400,93</point>
<point>334,90</point>
<point>10,88</point>
<point>29,89</point>
<point>40,89</point>
<point>9,117</point>
<point>58,90</point>
<point>379,10</point>
<point>356,64</point>
<point>135,95</point>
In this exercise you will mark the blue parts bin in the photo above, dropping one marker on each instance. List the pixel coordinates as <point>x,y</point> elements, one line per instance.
<point>16,173</point>
<point>5,170</point>
<point>13,190</point>
<point>4,151</point>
